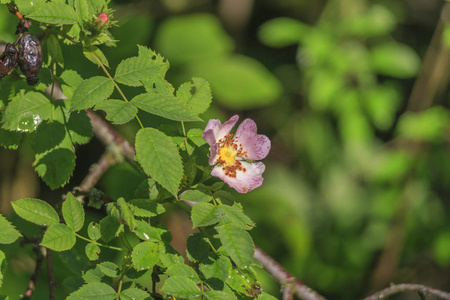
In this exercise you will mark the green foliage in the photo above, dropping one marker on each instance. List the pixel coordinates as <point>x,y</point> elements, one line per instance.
<point>9,233</point>
<point>36,211</point>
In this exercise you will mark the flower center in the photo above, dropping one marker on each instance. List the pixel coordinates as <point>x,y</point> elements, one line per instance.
<point>229,152</point>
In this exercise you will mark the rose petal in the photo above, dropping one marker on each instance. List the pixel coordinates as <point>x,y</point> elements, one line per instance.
<point>214,128</point>
<point>257,146</point>
<point>244,181</point>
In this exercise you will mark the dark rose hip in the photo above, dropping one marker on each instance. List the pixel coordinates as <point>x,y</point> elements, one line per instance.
<point>30,57</point>
<point>8,60</point>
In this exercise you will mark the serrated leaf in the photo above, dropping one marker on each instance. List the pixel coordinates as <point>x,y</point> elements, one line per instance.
<point>159,158</point>
<point>73,213</point>
<point>92,251</point>
<point>59,237</point>
<point>219,269</point>
<point>9,139</point>
<point>198,95</point>
<point>72,80</point>
<point>92,91</point>
<point>168,255</point>
<point>183,270</point>
<point>9,232</point>
<point>145,232</point>
<point>145,255</point>
<point>117,111</point>
<point>197,247</point>
<point>110,227</point>
<point>233,214</point>
<point>195,135</point>
<point>238,244</point>
<point>94,231</point>
<point>244,281</point>
<point>219,295</point>
<point>56,12</point>
<point>126,213</point>
<point>26,112</point>
<point>54,51</point>
<point>196,196</point>
<point>132,71</point>
<point>36,211</point>
<point>55,167</point>
<point>93,275</point>
<point>180,286</point>
<point>79,127</point>
<point>204,214</point>
<point>167,107</point>
<point>94,291</point>
<point>133,293</point>
<point>146,208</point>
<point>94,54</point>
<point>108,268</point>
<point>49,136</point>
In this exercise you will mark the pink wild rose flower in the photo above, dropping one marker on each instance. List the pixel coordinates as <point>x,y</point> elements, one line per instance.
<point>231,155</point>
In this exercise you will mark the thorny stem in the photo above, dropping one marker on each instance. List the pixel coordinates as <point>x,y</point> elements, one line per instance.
<point>98,244</point>
<point>398,288</point>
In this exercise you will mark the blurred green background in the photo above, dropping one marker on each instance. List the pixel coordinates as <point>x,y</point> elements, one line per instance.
<point>353,95</point>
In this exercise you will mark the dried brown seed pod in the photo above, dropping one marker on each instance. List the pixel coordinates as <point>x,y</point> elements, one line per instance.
<point>8,60</point>
<point>30,57</point>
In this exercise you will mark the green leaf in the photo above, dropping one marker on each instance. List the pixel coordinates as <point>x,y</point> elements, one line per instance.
<point>117,111</point>
<point>92,251</point>
<point>167,107</point>
<point>180,286</point>
<point>110,227</point>
<point>159,158</point>
<point>204,214</point>
<point>2,266</point>
<point>168,255</point>
<point>133,293</point>
<point>195,135</point>
<point>94,291</point>
<point>9,139</point>
<point>72,81</point>
<point>54,51</point>
<point>238,244</point>
<point>239,82</point>
<point>145,255</point>
<point>218,269</point>
<point>59,237</point>
<point>73,213</point>
<point>430,125</point>
<point>198,95</point>
<point>132,71</point>
<point>233,214</point>
<point>196,196</point>
<point>56,12</point>
<point>282,32</point>
<point>79,127</point>
<point>126,213</point>
<point>36,211</point>
<point>93,275</point>
<point>244,281</point>
<point>146,208</point>
<point>219,295</point>
<point>108,268</point>
<point>26,112</point>
<point>55,167</point>
<point>395,59</point>
<point>9,232</point>
<point>183,270</point>
<point>197,247</point>
<point>92,91</point>
<point>94,54</point>
<point>94,231</point>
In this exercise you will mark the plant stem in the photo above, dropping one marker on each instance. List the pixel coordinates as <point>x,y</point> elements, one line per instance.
<point>98,244</point>
<point>115,84</point>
